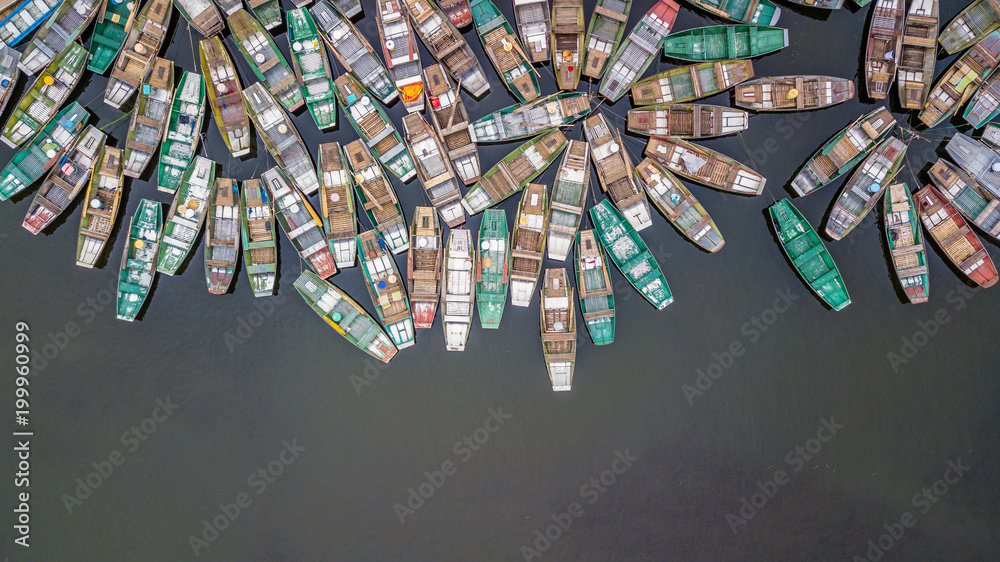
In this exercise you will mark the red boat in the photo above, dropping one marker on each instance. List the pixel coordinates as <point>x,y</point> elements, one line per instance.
<point>947,227</point>
<point>458,11</point>
<point>423,268</point>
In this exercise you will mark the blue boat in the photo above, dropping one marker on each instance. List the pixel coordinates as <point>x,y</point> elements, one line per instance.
<point>24,18</point>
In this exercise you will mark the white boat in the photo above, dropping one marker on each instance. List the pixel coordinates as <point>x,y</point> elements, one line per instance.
<point>458,292</point>
<point>558,326</point>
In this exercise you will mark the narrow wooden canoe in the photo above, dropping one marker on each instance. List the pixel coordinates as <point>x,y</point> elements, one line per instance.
<point>597,293</point>
<point>793,93</point>
<point>952,234</point>
<point>492,264</point>
<point>885,41</point>
<point>866,186</point>
<point>918,54</point>
<point>423,266</point>
<point>692,82</point>
<point>905,243</point>
<point>705,166</point>
<point>679,206</point>
<point>558,324</point>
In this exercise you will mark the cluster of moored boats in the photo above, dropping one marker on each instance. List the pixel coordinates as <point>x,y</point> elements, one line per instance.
<point>460,272</point>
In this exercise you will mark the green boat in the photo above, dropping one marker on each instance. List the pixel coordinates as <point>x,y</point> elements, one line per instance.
<point>630,254</point>
<point>525,120</point>
<point>138,259</point>
<point>260,245</point>
<point>504,51</point>
<point>45,96</point>
<point>372,125</point>
<point>515,171</point>
<point>183,132</point>
<point>597,294</point>
<point>808,254</point>
<point>267,11</point>
<point>113,25</point>
<point>265,59</point>
<point>724,42</point>
<point>492,262</point>
<point>222,240</point>
<point>47,148</point>
<point>762,12</point>
<point>345,316</point>
<point>692,82</point>
<point>974,23</point>
<point>187,215</point>
<point>312,68</point>
<point>604,34</point>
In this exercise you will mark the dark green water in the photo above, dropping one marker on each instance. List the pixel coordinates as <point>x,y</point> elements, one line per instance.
<point>692,458</point>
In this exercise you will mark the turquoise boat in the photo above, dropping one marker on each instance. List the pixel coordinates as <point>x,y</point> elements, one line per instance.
<point>717,43</point>
<point>139,259</point>
<point>630,254</point>
<point>113,25</point>
<point>312,68</point>
<point>808,254</point>
<point>597,294</point>
<point>345,316</point>
<point>492,263</point>
<point>47,148</point>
